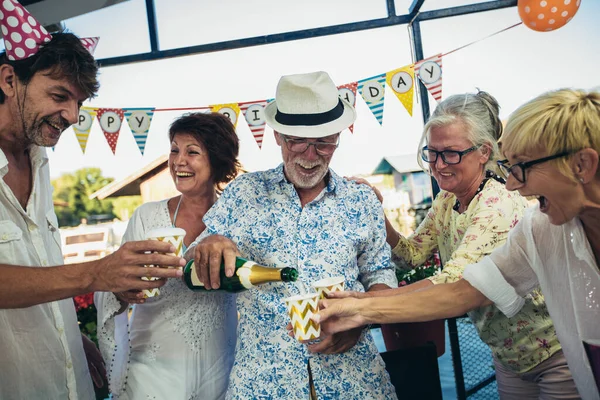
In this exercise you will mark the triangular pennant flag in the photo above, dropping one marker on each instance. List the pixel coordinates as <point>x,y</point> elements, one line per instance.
<point>110,120</point>
<point>139,120</point>
<point>84,125</point>
<point>372,91</point>
<point>348,93</point>
<point>90,43</point>
<point>429,72</point>
<point>401,81</point>
<point>230,110</point>
<point>254,112</point>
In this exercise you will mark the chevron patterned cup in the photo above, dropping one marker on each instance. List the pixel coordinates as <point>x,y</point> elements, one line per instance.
<point>328,285</point>
<point>171,235</point>
<point>300,309</point>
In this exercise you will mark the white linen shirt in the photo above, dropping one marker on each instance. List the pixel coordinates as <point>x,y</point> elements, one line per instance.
<point>339,233</point>
<point>40,346</point>
<point>561,261</point>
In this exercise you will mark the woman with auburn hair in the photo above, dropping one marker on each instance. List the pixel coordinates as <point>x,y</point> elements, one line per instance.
<point>552,147</point>
<point>179,344</point>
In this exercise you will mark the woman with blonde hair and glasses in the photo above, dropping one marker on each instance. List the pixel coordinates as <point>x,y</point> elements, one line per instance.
<point>471,217</point>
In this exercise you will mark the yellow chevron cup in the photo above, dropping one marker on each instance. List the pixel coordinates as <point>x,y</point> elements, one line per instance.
<point>171,235</point>
<point>328,285</point>
<point>300,309</point>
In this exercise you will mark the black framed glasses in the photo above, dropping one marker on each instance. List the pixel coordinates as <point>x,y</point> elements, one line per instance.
<point>449,157</point>
<point>518,170</point>
<point>301,145</point>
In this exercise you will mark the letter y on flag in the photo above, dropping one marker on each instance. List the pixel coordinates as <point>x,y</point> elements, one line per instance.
<point>429,72</point>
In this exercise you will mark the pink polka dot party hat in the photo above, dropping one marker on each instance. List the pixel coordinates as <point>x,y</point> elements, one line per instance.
<point>23,35</point>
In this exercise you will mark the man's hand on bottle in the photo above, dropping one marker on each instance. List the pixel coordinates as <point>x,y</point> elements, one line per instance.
<point>122,270</point>
<point>209,254</point>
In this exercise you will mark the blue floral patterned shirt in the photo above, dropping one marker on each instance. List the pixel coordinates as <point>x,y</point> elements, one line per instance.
<point>341,232</point>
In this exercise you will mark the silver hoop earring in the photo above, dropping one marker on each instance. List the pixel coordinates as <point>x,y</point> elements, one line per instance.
<point>581,180</point>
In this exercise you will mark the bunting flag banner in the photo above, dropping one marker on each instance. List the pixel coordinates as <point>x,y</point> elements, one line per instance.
<point>231,111</point>
<point>139,120</point>
<point>372,91</point>
<point>429,72</point>
<point>348,93</point>
<point>110,120</point>
<point>401,81</point>
<point>254,112</point>
<point>84,125</point>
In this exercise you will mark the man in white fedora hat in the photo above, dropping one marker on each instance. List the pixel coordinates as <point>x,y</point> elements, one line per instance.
<point>303,215</point>
<point>43,81</point>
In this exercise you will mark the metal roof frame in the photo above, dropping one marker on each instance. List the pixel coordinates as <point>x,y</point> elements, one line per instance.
<point>413,19</point>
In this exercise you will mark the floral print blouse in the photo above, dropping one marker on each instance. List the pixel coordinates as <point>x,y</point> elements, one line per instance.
<point>521,342</point>
<point>340,233</point>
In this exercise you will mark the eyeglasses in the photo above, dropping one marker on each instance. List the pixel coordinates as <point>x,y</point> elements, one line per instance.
<point>518,170</point>
<point>301,145</point>
<point>450,157</point>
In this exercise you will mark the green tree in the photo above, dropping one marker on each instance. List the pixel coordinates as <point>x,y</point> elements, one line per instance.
<point>72,192</point>
<point>124,206</point>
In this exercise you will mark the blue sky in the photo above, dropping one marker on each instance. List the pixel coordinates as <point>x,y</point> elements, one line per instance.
<point>514,66</point>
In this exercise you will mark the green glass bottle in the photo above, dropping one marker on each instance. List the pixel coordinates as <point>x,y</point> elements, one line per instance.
<point>247,275</point>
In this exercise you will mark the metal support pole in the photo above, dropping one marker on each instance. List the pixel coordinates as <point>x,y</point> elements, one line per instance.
<point>152,28</point>
<point>461,393</point>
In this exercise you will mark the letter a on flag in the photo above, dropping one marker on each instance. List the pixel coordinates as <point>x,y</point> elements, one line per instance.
<point>372,91</point>
<point>84,125</point>
<point>401,81</point>
<point>429,72</point>
<point>254,112</point>
<point>110,121</point>
<point>348,93</point>
<point>139,120</point>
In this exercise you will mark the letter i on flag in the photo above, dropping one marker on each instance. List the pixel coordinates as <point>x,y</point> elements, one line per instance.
<point>231,111</point>
<point>139,120</point>
<point>372,91</point>
<point>254,112</point>
<point>348,93</point>
<point>429,72</point>
<point>110,121</point>
<point>401,81</point>
<point>84,125</point>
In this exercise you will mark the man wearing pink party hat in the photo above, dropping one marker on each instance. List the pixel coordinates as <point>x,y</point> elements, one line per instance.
<point>43,81</point>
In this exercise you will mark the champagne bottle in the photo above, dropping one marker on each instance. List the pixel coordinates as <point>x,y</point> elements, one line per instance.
<point>247,275</point>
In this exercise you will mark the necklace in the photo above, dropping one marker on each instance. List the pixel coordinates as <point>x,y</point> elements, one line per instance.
<point>488,175</point>
<point>184,247</point>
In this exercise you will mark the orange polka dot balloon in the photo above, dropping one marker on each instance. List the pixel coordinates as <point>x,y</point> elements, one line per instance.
<point>547,15</point>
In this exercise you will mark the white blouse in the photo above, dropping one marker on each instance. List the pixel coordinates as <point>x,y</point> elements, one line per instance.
<point>178,345</point>
<point>561,261</point>
<point>41,352</point>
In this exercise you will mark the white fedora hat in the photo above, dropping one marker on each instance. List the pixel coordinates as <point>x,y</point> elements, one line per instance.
<point>308,106</point>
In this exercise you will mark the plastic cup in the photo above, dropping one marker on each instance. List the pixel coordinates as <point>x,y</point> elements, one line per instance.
<point>171,235</point>
<point>300,308</point>
<point>328,285</point>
